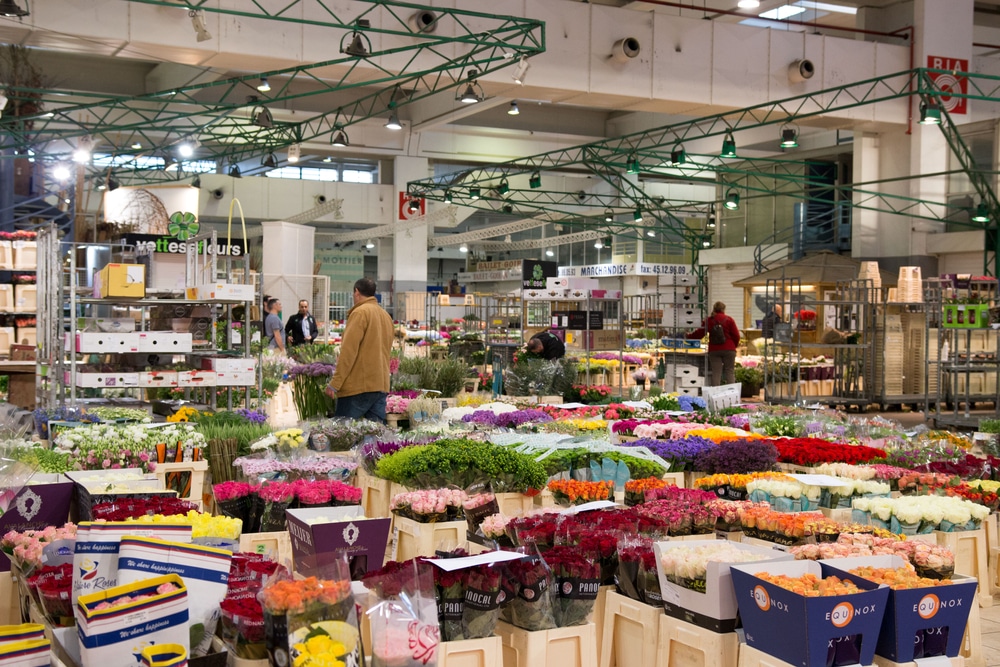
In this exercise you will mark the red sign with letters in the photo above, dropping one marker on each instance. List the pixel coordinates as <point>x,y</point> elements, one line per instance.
<point>950,82</point>
<point>410,207</point>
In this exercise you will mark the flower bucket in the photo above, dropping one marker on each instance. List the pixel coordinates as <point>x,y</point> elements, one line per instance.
<point>809,505</point>
<point>927,527</point>
<point>947,526</point>
<point>902,528</point>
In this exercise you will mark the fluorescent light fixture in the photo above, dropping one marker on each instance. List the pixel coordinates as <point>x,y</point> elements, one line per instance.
<point>781,13</point>
<point>826,7</point>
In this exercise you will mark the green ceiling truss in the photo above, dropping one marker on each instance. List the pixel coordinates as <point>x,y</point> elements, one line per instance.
<point>217,114</point>
<point>651,148</point>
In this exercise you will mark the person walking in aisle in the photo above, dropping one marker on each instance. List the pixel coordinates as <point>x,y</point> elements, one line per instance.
<point>301,327</point>
<point>772,318</point>
<point>273,331</point>
<point>361,382</point>
<point>723,338</point>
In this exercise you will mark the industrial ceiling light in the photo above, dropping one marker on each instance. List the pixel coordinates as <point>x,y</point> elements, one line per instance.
<point>61,173</point>
<point>234,171</point>
<point>340,138</point>
<point>930,113</point>
<point>710,222</point>
<point>550,253</point>
<point>413,206</point>
<point>474,193</point>
<point>504,187</point>
<point>982,213</point>
<point>10,9</point>
<point>198,23</point>
<point>513,110</point>
<point>706,242</point>
<point>393,122</point>
<point>269,161</point>
<point>732,200</point>
<point>264,86</point>
<point>637,215</point>
<point>520,70</point>
<point>262,118</point>
<point>185,149</point>
<point>369,244</point>
<point>170,163</point>
<point>447,197</point>
<point>598,244</point>
<point>678,155</point>
<point>535,180</point>
<point>633,166</point>
<point>651,233</point>
<point>728,146</point>
<point>748,4</point>
<point>196,182</point>
<point>463,248</point>
<point>508,208</point>
<point>136,145</point>
<point>356,43</point>
<point>473,91</point>
<point>609,215</point>
<point>294,153</point>
<point>789,137</point>
<point>84,146</point>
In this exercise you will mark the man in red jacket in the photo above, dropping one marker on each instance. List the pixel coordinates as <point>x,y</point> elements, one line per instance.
<point>723,338</point>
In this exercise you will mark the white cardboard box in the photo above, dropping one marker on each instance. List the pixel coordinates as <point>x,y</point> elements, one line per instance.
<point>694,381</point>
<point>238,379</point>
<point>196,378</point>
<point>225,291</point>
<point>685,371</point>
<point>543,294</point>
<point>229,364</point>
<point>6,298</point>
<point>164,342</point>
<point>99,342</point>
<point>104,379</point>
<point>158,379</point>
<point>557,283</point>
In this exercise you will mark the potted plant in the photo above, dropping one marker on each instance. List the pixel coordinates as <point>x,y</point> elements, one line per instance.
<point>751,378</point>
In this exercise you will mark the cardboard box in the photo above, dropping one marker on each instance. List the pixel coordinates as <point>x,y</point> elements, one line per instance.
<point>229,364</point>
<point>314,545</point>
<point>197,378</point>
<point>6,339</point>
<point>801,630</point>
<point>544,295</point>
<point>945,608</point>
<point>85,499</point>
<point>238,379</point>
<point>26,336</point>
<point>223,292</point>
<point>103,379</point>
<point>716,608</point>
<point>6,298</point>
<point>44,502</point>
<point>106,343</point>
<point>556,283</point>
<point>113,324</point>
<point>25,298</point>
<point>605,294</point>
<point>164,342</point>
<point>597,340</point>
<point>6,255</point>
<point>25,255</point>
<point>123,280</point>
<point>578,319</point>
<point>158,379</point>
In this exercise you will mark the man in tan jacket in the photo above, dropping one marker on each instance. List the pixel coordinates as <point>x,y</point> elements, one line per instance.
<point>361,381</point>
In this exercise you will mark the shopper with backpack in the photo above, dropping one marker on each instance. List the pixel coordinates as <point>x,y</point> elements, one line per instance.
<point>723,338</point>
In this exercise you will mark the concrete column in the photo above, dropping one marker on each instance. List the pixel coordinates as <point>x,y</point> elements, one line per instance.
<point>288,263</point>
<point>409,257</point>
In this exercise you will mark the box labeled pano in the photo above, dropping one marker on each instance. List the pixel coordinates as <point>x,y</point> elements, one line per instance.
<point>803,630</point>
<point>944,609</point>
<point>716,608</point>
<point>320,535</point>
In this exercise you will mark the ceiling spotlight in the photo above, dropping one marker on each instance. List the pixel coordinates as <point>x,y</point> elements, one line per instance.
<point>504,187</point>
<point>393,122</point>
<point>520,70</point>
<point>198,23</point>
<point>234,171</point>
<point>463,248</point>
<point>598,244</point>
<point>294,153</point>
<point>474,193</point>
<point>473,91</point>
<point>710,222</point>
<point>263,86</point>
<point>369,244</point>
<point>633,164</point>
<point>10,9</point>
<point>269,161</point>
<point>447,197</point>
<point>535,180</point>
<point>185,150</point>
<point>357,45</point>
<point>61,173</point>
<point>748,4</point>
<point>101,185</point>
<point>637,215</point>
<point>136,146</point>
<point>609,215</point>
<point>196,182</point>
<point>513,110</point>
<point>508,208</point>
<point>732,200</point>
<point>728,146</point>
<point>263,118</point>
<point>340,138</point>
<point>413,206</point>
<point>83,149</point>
<point>550,253</point>
<point>706,242</point>
<point>678,155</point>
<point>651,233</point>
<point>930,113</point>
<point>982,213</point>
<point>170,163</point>
<point>789,137</point>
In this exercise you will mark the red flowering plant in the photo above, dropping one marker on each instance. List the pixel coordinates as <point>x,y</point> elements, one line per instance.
<point>577,580</point>
<point>814,451</point>
<point>277,497</point>
<point>592,394</point>
<point>236,500</point>
<point>981,496</point>
<point>924,483</point>
<point>618,411</point>
<point>450,589</point>
<point>482,601</point>
<point>561,414</point>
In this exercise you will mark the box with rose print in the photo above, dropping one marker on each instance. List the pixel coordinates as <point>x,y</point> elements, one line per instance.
<point>715,608</point>
<point>319,535</point>
<point>912,615</point>
<point>45,502</point>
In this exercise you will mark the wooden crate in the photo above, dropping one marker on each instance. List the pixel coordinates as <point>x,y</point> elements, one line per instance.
<point>630,633</point>
<point>10,602</point>
<point>885,662</point>
<point>575,646</point>
<point>682,644</point>
<point>971,558</point>
<point>196,469</point>
<point>277,546</point>
<point>413,538</point>
<point>597,617</point>
<point>374,494</point>
<point>752,657</point>
<point>675,478</point>
<point>486,652</point>
<point>972,642</point>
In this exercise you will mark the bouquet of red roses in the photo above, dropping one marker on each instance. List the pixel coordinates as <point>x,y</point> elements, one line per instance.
<point>630,553</point>
<point>577,580</point>
<point>531,606</point>
<point>52,586</point>
<point>242,620</point>
<point>133,508</point>
<point>482,601</point>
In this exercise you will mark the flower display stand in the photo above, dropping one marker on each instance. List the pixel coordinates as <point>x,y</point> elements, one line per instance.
<point>972,642</point>
<point>277,545</point>
<point>597,617</point>
<point>10,603</point>
<point>515,504</point>
<point>575,646</point>
<point>543,499</point>
<point>374,494</point>
<point>413,538</point>
<point>841,514</point>
<point>957,661</point>
<point>486,652</point>
<point>629,635</point>
<point>196,470</point>
<point>971,555</point>
<point>690,477</point>
<point>675,478</point>
<point>682,644</point>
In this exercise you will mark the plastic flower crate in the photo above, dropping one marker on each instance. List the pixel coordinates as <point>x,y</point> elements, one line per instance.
<point>485,652</point>
<point>413,538</point>
<point>683,644</point>
<point>574,646</point>
<point>965,316</point>
<point>630,632</point>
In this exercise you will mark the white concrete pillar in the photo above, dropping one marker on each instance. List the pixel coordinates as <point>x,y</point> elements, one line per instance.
<point>409,259</point>
<point>289,251</point>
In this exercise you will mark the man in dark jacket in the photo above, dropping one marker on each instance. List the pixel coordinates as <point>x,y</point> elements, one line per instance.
<point>547,346</point>
<point>301,327</point>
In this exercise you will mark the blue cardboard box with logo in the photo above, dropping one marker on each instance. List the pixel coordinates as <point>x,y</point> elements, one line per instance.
<point>808,631</point>
<point>918,622</point>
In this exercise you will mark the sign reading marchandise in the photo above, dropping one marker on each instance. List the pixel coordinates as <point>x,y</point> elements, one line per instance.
<point>629,269</point>
<point>170,245</point>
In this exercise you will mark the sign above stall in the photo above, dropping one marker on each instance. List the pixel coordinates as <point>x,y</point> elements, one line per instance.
<point>625,269</point>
